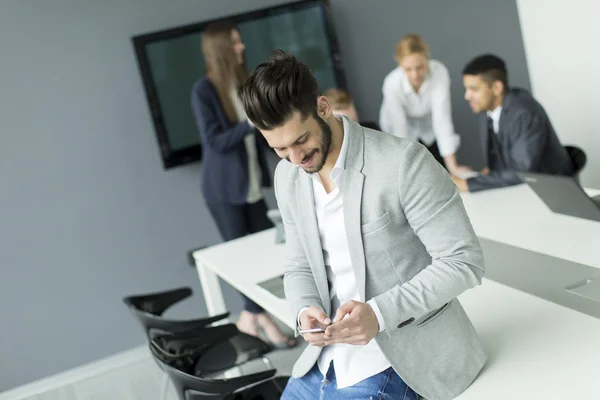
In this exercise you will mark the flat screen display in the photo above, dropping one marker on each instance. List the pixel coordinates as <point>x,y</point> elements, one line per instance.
<point>171,62</point>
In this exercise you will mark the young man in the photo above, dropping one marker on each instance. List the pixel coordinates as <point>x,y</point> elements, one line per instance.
<point>516,133</point>
<point>342,104</point>
<point>378,247</point>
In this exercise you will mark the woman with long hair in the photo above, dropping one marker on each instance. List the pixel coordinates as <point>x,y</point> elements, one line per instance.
<point>416,103</point>
<point>234,166</point>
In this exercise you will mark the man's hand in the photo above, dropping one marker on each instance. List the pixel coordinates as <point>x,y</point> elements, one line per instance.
<point>314,317</point>
<point>359,327</point>
<point>461,183</point>
<point>485,171</point>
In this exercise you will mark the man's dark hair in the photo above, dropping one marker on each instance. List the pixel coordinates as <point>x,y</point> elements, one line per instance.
<point>490,67</point>
<point>276,89</point>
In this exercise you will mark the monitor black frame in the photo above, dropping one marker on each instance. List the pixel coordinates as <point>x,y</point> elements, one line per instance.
<point>171,157</point>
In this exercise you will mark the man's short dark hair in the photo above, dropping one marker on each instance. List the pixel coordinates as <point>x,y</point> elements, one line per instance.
<point>278,88</point>
<point>491,68</point>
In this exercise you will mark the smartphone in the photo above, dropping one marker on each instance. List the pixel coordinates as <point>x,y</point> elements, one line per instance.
<point>313,330</point>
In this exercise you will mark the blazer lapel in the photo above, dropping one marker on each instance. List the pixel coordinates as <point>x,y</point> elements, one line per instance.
<point>484,140</point>
<point>353,196</point>
<point>502,134</point>
<point>309,236</point>
<point>353,192</point>
<point>502,127</point>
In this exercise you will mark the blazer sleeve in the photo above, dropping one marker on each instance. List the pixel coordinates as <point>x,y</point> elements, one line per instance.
<point>529,136</point>
<point>298,281</point>
<point>206,112</point>
<point>435,211</point>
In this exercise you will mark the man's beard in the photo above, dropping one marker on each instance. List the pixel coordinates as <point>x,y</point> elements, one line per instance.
<point>326,136</point>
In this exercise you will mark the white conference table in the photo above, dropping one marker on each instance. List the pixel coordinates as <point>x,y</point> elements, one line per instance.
<point>537,349</point>
<point>517,217</point>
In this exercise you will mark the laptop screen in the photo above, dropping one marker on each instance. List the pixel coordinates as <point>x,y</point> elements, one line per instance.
<point>563,195</point>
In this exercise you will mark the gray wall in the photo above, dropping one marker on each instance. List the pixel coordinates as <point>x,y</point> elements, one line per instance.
<point>88,215</point>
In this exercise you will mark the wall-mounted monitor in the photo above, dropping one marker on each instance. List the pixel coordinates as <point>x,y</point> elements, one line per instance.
<point>170,61</point>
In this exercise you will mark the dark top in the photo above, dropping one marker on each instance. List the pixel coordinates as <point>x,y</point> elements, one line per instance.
<point>224,172</point>
<point>526,142</point>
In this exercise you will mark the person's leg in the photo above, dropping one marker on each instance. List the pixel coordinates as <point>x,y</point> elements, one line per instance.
<point>256,217</point>
<point>230,219</point>
<point>396,388</point>
<point>386,385</point>
<point>307,387</point>
<point>257,220</point>
<point>232,224</point>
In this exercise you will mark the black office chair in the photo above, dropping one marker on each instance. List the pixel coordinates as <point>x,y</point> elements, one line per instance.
<point>187,360</point>
<point>578,158</point>
<point>235,350</point>
<point>148,308</point>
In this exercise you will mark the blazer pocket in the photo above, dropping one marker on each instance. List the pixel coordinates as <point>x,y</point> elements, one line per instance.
<point>376,224</point>
<point>433,314</point>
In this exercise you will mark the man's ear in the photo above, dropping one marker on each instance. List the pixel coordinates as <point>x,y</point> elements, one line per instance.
<point>323,107</point>
<point>497,88</point>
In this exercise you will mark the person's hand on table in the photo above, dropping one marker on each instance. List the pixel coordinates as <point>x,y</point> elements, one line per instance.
<point>461,183</point>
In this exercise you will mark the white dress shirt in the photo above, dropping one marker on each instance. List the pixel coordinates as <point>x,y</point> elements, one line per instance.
<point>495,116</point>
<point>352,363</point>
<point>425,115</point>
<point>254,193</point>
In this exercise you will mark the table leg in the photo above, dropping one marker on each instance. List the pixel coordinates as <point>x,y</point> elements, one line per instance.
<point>211,287</point>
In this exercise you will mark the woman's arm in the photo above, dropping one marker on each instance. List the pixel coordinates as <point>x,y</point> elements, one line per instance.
<point>205,111</point>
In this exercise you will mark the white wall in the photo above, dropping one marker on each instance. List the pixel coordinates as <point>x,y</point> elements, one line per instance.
<point>561,47</point>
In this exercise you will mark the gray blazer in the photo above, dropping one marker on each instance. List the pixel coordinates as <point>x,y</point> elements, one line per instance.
<point>412,248</point>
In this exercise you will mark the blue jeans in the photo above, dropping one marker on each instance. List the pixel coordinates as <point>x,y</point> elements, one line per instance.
<point>386,385</point>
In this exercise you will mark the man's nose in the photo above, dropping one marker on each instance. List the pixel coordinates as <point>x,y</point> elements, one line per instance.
<point>296,156</point>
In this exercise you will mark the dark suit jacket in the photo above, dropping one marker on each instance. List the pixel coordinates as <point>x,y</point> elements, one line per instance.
<point>224,173</point>
<point>527,143</point>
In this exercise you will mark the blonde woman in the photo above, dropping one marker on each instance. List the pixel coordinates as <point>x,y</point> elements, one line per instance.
<point>416,103</point>
<point>233,165</point>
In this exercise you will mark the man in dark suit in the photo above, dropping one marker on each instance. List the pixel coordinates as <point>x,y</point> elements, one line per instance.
<point>516,133</point>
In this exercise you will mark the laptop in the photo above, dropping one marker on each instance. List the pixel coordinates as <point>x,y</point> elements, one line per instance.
<point>274,285</point>
<point>563,195</point>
